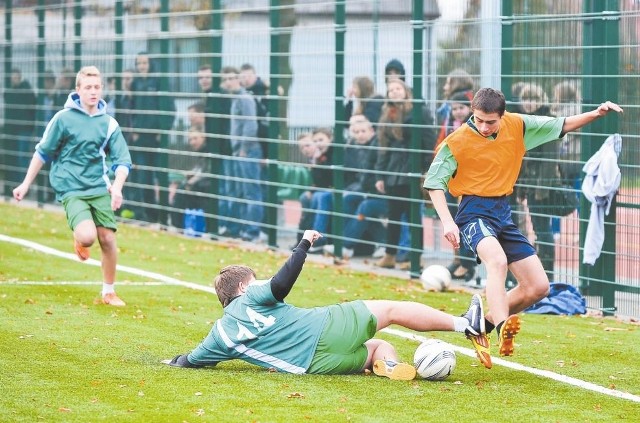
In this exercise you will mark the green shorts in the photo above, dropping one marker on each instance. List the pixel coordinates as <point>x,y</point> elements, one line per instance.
<point>96,208</point>
<point>341,348</point>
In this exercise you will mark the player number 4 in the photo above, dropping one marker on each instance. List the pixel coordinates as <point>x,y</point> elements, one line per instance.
<point>259,321</point>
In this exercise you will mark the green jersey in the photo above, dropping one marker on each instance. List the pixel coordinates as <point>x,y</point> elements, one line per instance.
<point>259,329</point>
<point>82,149</point>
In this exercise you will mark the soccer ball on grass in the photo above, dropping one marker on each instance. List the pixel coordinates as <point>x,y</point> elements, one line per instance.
<point>434,360</point>
<point>436,278</point>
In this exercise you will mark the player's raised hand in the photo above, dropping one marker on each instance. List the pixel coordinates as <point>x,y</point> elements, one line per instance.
<point>608,106</point>
<point>311,235</point>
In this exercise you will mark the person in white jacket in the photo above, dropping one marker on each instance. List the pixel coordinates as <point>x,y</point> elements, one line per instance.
<point>600,186</point>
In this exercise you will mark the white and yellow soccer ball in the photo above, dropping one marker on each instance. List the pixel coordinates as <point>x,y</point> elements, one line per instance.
<point>434,360</point>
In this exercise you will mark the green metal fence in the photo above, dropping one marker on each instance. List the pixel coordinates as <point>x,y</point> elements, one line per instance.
<point>309,52</point>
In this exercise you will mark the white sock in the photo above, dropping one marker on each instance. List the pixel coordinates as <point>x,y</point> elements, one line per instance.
<point>107,288</point>
<point>460,324</point>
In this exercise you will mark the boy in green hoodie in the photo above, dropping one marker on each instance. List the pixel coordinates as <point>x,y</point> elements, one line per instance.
<point>83,144</point>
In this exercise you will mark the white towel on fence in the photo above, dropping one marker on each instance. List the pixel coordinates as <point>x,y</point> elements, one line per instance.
<point>599,187</point>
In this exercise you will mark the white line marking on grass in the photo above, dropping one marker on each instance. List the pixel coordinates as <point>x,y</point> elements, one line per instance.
<point>125,283</point>
<point>516,366</point>
<point>93,262</point>
<point>407,335</point>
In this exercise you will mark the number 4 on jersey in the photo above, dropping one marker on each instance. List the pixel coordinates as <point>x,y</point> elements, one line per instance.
<point>259,321</point>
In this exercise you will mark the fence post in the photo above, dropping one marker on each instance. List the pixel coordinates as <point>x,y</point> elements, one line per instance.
<point>337,220</point>
<point>415,167</point>
<point>600,84</point>
<point>271,211</point>
<point>119,43</point>
<point>77,32</point>
<point>163,162</point>
<point>506,58</point>
<point>42,177</point>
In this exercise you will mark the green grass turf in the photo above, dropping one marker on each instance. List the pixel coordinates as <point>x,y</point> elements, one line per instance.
<point>65,358</point>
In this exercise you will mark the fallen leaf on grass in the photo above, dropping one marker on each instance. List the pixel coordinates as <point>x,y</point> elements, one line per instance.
<point>64,409</point>
<point>295,395</point>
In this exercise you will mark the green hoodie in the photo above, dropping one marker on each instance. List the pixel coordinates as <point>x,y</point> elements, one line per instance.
<point>82,149</point>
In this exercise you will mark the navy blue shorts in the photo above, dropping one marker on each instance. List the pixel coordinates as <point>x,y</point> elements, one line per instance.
<point>480,217</point>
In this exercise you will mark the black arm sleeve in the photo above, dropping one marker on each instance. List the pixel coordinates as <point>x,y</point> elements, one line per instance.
<point>283,281</point>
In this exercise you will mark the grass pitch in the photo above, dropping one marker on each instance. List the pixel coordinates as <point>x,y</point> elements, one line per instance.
<point>65,358</point>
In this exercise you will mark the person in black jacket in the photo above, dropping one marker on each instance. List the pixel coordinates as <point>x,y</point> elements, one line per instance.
<point>217,109</point>
<point>364,211</point>
<point>539,172</point>
<point>19,125</point>
<point>394,136</point>
<point>153,113</point>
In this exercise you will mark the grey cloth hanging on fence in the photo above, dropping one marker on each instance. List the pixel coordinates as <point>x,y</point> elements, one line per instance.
<point>600,186</point>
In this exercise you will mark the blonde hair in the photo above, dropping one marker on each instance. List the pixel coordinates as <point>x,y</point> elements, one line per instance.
<point>85,72</point>
<point>394,115</point>
<point>535,92</point>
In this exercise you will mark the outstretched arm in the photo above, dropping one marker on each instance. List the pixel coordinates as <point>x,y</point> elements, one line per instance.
<point>571,123</point>
<point>34,167</point>
<point>283,281</point>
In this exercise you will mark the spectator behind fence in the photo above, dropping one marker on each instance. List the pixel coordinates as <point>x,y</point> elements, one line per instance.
<point>458,82</point>
<point>124,103</point>
<point>46,110</point>
<point>217,108</point>
<point>539,172</point>
<point>64,86</point>
<point>394,136</point>
<point>110,91</point>
<point>189,189</point>
<point>46,103</point>
<point>196,116</point>
<point>566,102</point>
<point>317,202</point>
<point>363,100</point>
<point>259,90</point>
<point>19,125</point>
<point>247,155</point>
<point>363,211</point>
<point>394,69</point>
<point>153,113</point>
